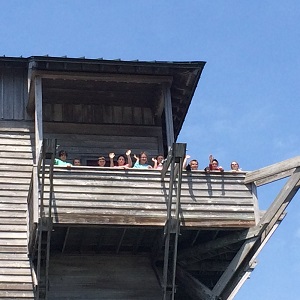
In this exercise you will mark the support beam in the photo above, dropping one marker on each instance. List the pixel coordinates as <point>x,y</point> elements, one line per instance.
<point>193,287</point>
<point>168,115</point>
<point>233,266</point>
<point>105,77</point>
<point>266,224</point>
<point>38,120</point>
<point>195,254</point>
<point>31,89</point>
<point>283,198</point>
<point>172,227</point>
<point>239,280</point>
<point>65,240</point>
<point>273,172</point>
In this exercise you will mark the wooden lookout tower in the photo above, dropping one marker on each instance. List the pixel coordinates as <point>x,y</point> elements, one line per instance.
<point>90,232</point>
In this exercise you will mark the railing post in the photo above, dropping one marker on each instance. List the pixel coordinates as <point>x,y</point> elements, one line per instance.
<point>175,156</point>
<point>35,196</point>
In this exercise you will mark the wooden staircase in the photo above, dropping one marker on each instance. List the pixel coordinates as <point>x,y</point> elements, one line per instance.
<point>16,144</point>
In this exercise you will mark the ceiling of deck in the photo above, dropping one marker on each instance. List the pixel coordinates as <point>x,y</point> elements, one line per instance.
<point>117,240</point>
<point>112,82</point>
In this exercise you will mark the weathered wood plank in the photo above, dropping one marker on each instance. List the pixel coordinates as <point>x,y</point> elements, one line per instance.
<point>20,264</point>
<point>4,180</point>
<point>107,193</point>
<point>152,206</point>
<point>6,271</point>
<point>155,221</point>
<point>13,249</point>
<point>16,140</point>
<point>16,126</point>
<point>152,199</point>
<point>18,134</point>
<point>105,129</point>
<point>13,235</point>
<point>13,174</point>
<point>15,148</point>
<point>18,168</point>
<point>73,276</point>
<point>14,187</point>
<point>19,294</point>
<point>14,193</point>
<point>13,287</point>
<point>124,197</point>
<point>13,256</point>
<point>12,242</point>
<point>12,227</point>
<point>6,220</point>
<point>273,172</point>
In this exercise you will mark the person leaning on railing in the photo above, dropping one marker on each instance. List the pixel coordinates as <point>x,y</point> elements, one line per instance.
<point>234,166</point>
<point>101,161</point>
<point>121,160</point>
<point>141,161</point>
<point>192,165</point>
<point>158,162</point>
<point>61,161</point>
<point>76,162</point>
<point>213,165</point>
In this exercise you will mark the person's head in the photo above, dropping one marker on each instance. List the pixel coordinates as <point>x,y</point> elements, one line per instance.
<point>143,158</point>
<point>234,166</point>
<point>101,161</point>
<point>62,154</point>
<point>76,162</point>
<point>214,164</point>
<point>121,161</point>
<point>160,158</point>
<point>194,164</point>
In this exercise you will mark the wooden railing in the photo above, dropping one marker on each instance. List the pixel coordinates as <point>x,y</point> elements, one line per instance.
<point>37,220</point>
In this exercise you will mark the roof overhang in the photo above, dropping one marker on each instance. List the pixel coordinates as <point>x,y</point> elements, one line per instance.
<point>181,77</point>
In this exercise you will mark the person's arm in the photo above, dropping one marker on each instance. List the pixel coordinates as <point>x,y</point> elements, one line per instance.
<point>184,165</point>
<point>137,161</point>
<point>155,163</point>
<point>129,161</point>
<point>111,159</point>
<point>210,161</point>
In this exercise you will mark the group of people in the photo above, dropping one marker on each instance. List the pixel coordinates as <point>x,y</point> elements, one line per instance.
<point>122,161</point>
<point>141,162</point>
<point>213,165</point>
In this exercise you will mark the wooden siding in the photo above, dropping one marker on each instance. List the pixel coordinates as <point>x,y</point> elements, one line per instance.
<point>102,140</point>
<point>102,277</point>
<point>13,94</point>
<point>97,114</point>
<point>108,196</point>
<point>15,172</point>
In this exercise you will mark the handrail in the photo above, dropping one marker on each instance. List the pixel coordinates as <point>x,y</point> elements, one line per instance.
<point>33,203</point>
<point>273,172</point>
<point>31,225</point>
<point>36,213</point>
<point>175,160</point>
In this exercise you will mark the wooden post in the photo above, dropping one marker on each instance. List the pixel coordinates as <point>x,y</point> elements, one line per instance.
<point>38,120</point>
<point>168,115</point>
<point>38,144</point>
<point>35,195</point>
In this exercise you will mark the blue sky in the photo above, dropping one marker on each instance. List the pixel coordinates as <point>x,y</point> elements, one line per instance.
<point>247,103</point>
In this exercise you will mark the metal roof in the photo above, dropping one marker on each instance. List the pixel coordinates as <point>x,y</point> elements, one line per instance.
<point>183,75</point>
